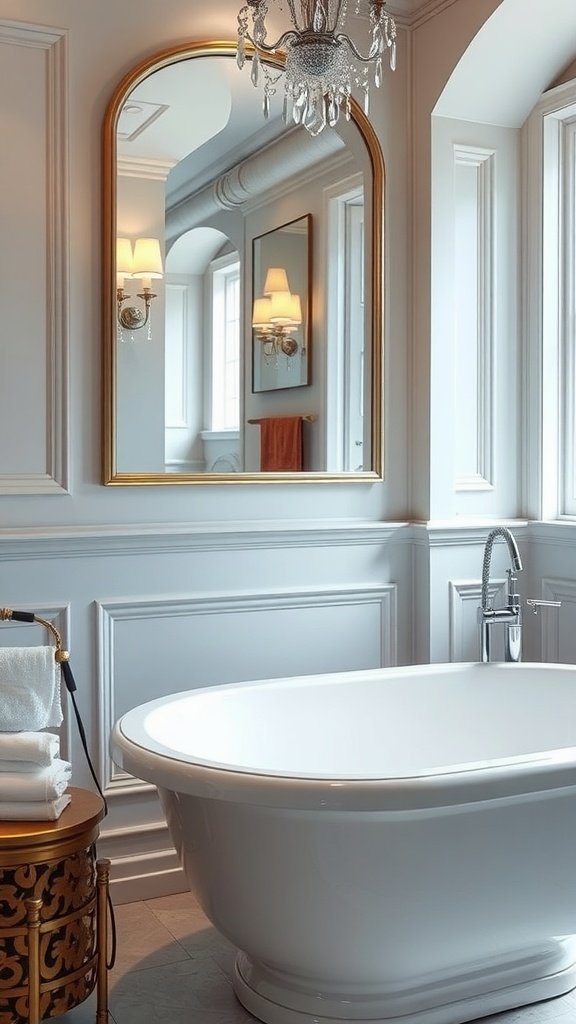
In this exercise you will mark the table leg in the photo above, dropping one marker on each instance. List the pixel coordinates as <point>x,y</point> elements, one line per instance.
<point>33,908</point>
<point>102,879</point>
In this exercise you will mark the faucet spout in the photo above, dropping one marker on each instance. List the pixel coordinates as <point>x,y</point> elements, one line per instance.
<point>508,616</point>
<point>498,531</point>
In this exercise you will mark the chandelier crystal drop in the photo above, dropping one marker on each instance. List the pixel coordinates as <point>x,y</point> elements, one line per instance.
<point>323,64</point>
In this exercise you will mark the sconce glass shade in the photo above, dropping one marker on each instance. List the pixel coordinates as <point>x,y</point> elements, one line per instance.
<point>261,313</point>
<point>147,258</point>
<point>283,308</point>
<point>276,281</point>
<point>295,310</point>
<point>124,257</point>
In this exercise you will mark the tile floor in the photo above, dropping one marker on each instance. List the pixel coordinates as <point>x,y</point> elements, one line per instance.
<point>172,967</point>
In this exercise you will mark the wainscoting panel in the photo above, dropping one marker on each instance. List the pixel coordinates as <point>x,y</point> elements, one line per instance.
<point>474,330</point>
<point>558,625</point>
<point>465,599</point>
<point>149,648</point>
<point>206,604</point>
<point>34,174</point>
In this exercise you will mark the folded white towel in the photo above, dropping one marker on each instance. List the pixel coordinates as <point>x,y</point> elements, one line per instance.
<point>29,689</point>
<point>35,748</point>
<point>44,784</point>
<point>35,810</point>
<point>19,766</point>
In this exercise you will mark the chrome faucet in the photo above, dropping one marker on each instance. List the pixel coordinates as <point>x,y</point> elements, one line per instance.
<point>509,616</point>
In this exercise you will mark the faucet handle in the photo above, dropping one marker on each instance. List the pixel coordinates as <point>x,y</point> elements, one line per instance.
<point>535,604</point>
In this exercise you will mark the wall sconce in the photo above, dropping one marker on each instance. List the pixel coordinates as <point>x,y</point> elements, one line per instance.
<point>277,315</point>
<point>145,263</point>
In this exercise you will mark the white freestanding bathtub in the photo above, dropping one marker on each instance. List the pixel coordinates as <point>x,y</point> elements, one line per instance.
<point>391,846</point>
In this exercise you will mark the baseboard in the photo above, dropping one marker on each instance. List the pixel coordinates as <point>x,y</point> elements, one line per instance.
<point>147,887</point>
<point>145,876</point>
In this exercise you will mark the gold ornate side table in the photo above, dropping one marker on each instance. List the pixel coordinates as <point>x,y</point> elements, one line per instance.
<point>53,914</point>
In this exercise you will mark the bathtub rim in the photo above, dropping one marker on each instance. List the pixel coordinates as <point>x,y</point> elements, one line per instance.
<point>516,776</point>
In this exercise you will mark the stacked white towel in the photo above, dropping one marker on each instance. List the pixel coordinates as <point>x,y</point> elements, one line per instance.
<point>33,777</point>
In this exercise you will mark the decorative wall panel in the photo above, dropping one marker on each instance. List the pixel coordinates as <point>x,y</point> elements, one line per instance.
<point>33,268</point>
<point>149,648</point>
<point>465,599</point>
<point>558,625</point>
<point>474,292</point>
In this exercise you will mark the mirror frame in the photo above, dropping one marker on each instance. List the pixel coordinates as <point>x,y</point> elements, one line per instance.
<point>307,304</point>
<point>110,474</point>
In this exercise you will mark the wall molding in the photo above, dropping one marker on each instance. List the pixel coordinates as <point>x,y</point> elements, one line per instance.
<point>414,13</point>
<point>461,592</point>
<point>55,478</point>
<point>144,167</point>
<point>461,533</point>
<point>153,538</point>
<point>76,541</point>
<point>117,783</point>
<point>482,160</point>
<point>563,590</point>
<point>558,532</point>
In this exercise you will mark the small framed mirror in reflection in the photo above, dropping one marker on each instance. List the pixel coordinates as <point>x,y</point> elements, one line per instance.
<point>281,315</point>
<point>200,213</point>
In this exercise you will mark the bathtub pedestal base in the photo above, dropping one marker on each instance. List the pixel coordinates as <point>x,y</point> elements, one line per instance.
<point>277,999</point>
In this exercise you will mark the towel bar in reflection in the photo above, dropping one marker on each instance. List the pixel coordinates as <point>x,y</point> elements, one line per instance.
<point>311,418</point>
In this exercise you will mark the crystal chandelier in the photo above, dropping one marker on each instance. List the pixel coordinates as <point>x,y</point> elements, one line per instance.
<point>323,64</point>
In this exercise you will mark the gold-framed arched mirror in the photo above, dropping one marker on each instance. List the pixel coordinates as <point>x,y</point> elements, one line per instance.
<point>204,202</point>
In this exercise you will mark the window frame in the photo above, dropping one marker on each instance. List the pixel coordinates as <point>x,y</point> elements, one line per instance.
<point>219,273</point>
<point>549,306</point>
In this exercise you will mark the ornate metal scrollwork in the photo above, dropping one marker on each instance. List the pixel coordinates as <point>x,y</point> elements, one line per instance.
<point>68,956</point>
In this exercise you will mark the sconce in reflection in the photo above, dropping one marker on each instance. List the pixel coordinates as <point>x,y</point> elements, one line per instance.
<point>143,262</point>
<point>277,315</point>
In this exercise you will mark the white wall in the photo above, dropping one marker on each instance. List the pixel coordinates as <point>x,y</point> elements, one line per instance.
<point>140,365</point>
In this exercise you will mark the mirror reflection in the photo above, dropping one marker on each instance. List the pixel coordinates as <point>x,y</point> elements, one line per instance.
<point>281,273</point>
<point>244,254</point>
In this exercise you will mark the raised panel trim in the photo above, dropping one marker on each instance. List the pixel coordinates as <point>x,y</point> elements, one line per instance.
<point>117,783</point>
<point>56,478</point>
<point>481,478</point>
<point>554,590</point>
<point>461,591</point>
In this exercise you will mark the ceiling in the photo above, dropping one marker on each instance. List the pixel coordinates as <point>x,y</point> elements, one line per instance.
<point>544,43</point>
<point>176,119</point>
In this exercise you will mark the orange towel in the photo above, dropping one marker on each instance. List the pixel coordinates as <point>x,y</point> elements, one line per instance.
<point>281,444</point>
